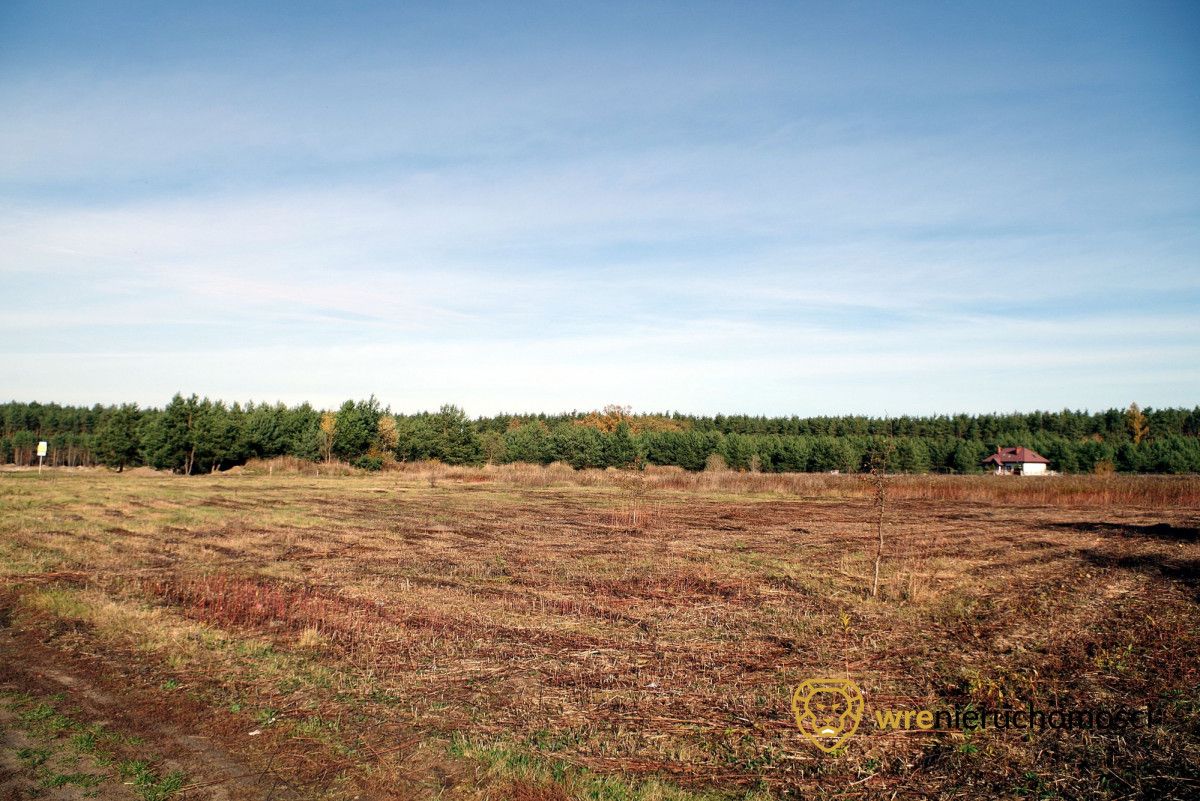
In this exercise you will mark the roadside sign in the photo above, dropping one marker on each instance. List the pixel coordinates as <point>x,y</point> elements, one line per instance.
<point>41,448</point>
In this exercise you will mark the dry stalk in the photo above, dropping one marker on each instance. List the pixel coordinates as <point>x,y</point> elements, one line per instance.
<point>879,474</point>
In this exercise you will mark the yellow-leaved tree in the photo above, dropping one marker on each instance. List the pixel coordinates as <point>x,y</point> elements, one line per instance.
<point>389,436</point>
<point>328,429</point>
<point>1135,421</point>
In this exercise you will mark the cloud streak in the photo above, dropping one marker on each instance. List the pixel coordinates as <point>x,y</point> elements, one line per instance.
<point>645,210</point>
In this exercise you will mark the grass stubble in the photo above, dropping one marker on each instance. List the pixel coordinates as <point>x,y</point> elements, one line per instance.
<point>542,633</point>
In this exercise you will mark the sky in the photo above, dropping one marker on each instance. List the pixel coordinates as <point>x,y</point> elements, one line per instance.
<point>800,208</point>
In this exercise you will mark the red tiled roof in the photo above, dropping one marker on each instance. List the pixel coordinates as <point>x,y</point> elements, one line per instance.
<point>1015,455</point>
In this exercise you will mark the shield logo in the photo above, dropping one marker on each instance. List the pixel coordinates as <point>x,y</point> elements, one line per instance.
<point>828,711</point>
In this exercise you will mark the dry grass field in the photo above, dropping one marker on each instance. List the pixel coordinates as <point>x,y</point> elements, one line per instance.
<point>541,635</point>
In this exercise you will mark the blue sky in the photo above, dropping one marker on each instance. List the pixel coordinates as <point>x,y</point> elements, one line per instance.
<point>815,208</point>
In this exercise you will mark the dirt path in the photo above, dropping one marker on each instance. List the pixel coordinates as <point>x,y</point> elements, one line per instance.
<point>167,738</point>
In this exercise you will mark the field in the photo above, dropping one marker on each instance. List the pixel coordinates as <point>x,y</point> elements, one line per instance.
<point>542,634</point>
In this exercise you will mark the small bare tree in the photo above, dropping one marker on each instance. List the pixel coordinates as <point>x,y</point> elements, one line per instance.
<point>879,465</point>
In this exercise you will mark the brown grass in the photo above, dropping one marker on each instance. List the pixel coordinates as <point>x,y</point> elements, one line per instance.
<point>581,628</point>
<point>290,465</point>
<point>1081,490</point>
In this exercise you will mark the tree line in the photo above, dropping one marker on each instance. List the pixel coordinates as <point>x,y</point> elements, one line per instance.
<point>198,435</point>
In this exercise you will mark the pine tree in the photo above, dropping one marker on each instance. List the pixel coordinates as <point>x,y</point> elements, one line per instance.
<point>357,428</point>
<point>117,440</point>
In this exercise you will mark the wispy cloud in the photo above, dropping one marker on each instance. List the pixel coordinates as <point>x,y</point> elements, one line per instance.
<point>650,213</point>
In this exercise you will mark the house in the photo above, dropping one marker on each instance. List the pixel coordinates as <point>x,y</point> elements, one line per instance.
<point>1017,462</point>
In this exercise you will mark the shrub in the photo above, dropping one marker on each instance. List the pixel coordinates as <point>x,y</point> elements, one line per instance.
<point>372,463</point>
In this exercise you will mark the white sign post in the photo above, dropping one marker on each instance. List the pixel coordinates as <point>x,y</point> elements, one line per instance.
<point>41,454</point>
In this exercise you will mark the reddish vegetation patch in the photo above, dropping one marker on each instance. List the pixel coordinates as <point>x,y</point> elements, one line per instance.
<point>651,587</point>
<point>258,603</point>
<point>528,791</point>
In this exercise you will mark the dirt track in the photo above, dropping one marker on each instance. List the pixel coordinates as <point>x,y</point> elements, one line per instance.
<point>100,690</point>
